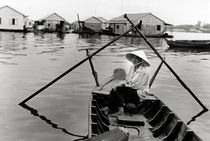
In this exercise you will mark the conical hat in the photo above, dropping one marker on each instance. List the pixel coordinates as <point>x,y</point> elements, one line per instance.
<point>140,54</point>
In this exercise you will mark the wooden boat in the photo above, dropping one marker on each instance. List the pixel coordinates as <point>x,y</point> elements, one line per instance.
<point>154,121</point>
<point>191,44</point>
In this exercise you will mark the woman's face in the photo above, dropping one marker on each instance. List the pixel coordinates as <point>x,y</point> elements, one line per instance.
<point>136,60</point>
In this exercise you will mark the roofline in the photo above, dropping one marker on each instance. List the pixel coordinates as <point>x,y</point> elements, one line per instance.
<point>146,14</point>
<point>124,21</point>
<point>51,15</point>
<point>118,22</point>
<point>13,10</point>
<point>157,17</point>
<point>94,18</point>
<point>168,24</point>
<point>102,18</point>
<point>130,14</point>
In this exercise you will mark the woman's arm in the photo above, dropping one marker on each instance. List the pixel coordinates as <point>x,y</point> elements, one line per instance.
<point>139,81</point>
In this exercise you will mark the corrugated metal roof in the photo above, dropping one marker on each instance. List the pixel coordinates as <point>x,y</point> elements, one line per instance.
<point>102,19</point>
<point>132,17</point>
<point>96,19</point>
<point>50,17</point>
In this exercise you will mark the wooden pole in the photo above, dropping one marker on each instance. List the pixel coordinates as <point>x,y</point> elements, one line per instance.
<point>78,21</point>
<point>93,70</point>
<point>155,74</point>
<point>75,66</point>
<point>174,73</point>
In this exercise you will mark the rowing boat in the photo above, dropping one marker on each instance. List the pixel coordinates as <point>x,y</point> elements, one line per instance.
<point>153,121</point>
<point>191,44</point>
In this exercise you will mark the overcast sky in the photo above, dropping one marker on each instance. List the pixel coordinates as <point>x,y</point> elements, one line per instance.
<point>171,11</point>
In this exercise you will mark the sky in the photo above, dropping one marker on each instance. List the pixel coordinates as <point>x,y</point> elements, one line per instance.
<point>175,12</point>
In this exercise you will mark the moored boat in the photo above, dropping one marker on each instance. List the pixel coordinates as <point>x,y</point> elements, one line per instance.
<point>191,44</point>
<point>153,120</point>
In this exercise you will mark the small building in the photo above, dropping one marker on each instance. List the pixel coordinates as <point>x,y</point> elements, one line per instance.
<point>151,25</point>
<point>97,24</point>
<point>92,24</point>
<point>51,23</point>
<point>29,24</point>
<point>12,20</point>
<point>75,25</point>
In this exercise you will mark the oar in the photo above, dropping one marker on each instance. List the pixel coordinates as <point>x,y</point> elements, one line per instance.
<point>95,75</point>
<point>155,74</point>
<point>174,73</point>
<point>75,66</point>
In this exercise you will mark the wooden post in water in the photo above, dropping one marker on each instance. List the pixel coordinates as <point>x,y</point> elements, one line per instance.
<point>174,73</point>
<point>78,21</point>
<point>93,70</point>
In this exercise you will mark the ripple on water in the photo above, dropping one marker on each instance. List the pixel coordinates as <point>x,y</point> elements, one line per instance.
<point>46,55</point>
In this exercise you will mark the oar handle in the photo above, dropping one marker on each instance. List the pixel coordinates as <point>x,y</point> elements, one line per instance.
<point>174,73</point>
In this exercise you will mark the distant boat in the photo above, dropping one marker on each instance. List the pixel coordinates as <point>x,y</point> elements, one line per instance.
<point>191,44</point>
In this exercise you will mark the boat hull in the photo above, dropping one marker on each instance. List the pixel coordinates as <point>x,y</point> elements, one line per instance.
<point>154,120</point>
<point>189,44</point>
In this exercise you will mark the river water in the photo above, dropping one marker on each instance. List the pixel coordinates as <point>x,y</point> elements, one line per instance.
<point>30,61</point>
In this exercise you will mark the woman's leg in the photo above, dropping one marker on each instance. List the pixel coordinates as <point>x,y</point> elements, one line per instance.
<point>116,100</point>
<point>129,95</point>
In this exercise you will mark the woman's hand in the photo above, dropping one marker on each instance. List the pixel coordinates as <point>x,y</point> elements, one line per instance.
<point>119,85</point>
<point>149,94</point>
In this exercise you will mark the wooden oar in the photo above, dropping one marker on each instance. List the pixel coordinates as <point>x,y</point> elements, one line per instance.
<point>155,74</point>
<point>174,73</point>
<point>95,75</point>
<point>75,66</point>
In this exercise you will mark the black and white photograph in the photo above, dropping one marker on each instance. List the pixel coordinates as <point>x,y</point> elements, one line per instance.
<point>104,70</point>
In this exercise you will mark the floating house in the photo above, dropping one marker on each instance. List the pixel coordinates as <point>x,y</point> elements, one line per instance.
<point>29,24</point>
<point>13,20</point>
<point>52,23</point>
<point>97,24</point>
<point>91,25</point>
<point>151,24</point>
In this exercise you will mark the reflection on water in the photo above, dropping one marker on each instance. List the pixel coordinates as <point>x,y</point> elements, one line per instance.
<point>48,121</point>
<point>188,50</point>
<point>30,61</point>
<point>197,116</point>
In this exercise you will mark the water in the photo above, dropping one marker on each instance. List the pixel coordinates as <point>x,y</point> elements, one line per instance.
<point>28,62</point>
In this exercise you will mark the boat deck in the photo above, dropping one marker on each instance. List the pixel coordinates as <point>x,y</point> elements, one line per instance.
<point>136,133</point>
<point>153,121</point>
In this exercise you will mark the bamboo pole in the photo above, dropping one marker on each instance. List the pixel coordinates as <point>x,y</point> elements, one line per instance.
<point>155,74</point>
<point>95,75</point>
<point>75,66</point>
<point>174,73</point>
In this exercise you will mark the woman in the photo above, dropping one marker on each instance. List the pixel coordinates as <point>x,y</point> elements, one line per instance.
<point>132,90</point>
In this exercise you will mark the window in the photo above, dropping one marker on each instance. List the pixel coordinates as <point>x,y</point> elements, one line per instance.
<point>0,20</point>
<point>13,21</point>
<point>158,27</point>
<point>118,26</point>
